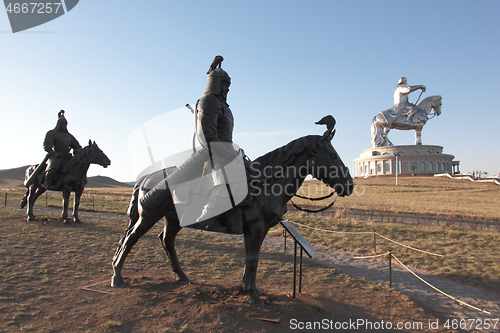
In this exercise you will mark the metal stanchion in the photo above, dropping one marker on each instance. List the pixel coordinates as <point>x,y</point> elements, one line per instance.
<point>390,268</point>
<point>294,267</point>
<point>300,270</point>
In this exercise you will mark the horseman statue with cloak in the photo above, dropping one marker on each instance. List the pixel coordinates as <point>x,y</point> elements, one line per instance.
<point>213,180</point>
<point>57,143</point>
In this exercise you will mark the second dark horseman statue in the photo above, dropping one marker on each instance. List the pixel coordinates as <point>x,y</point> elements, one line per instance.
<point>58,143</point>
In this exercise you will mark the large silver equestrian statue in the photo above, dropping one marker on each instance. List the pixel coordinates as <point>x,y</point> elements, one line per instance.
<point>404,115</point>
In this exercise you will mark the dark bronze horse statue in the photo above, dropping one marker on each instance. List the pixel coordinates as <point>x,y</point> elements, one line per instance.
<point>73,179</point>
<point>278,175</point>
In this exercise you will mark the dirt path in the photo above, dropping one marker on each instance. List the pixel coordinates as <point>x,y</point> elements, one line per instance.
<point>377,270</point>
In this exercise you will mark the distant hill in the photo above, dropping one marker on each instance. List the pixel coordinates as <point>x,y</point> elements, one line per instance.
<point>102,181</point>
<point>12,177</point>
<point>15,177</point>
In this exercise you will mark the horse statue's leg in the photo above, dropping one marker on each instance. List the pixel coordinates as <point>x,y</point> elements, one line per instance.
<point>143,224</point>
<point>35,191</point>
<point>167,238</point>
<point>253,236</point>
<point>76,205</point>
<point>418,135</point>
<point>385,137</point>
<point>66,193</point>
<point>31,202</point>
<point>379,132</point>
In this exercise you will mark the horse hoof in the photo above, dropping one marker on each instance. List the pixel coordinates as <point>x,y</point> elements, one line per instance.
<point>67,222</point>
<point>183,280</point>
<point>117,282</point>
<point>77,221</point>
<point>256,301</point>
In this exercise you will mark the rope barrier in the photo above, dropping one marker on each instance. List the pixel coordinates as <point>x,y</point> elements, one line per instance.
<point>367,257</point>
<point>396,242</point>
<point>407,246</point>
<point>333,231</point>
<point>440,291</point>
<point>409,270</point>
<point>434,254</point>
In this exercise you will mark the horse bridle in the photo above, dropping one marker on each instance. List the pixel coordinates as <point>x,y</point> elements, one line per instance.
<point>315,199</point>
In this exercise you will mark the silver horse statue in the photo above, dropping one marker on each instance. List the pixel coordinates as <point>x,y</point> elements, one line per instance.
<point>404,115</point>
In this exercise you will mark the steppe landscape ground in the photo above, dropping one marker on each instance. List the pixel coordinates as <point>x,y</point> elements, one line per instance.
<point>46,267</point>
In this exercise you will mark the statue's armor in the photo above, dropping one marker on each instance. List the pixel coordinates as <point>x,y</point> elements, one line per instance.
<point>58,142</point>
<point>215,121</point>
<point>200,187</point>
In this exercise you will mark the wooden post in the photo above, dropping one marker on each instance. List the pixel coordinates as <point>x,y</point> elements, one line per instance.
<point>374,242</point>
<point>6,199</point>
<point>46,198</point>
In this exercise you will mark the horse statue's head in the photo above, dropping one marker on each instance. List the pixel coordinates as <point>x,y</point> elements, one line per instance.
<point>94,155</point>
<point>309,155</point>
<point>436,105</point>
<point>431,103</point>
<point>327,165</point>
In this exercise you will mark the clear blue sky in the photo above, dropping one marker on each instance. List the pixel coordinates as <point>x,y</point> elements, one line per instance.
<point>114,65</point>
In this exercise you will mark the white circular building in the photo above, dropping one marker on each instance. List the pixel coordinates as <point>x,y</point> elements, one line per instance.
<point>406,160</point>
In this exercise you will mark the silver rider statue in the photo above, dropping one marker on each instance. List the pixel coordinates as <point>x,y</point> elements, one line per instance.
<point>404,115</point>
<point>401,104</point>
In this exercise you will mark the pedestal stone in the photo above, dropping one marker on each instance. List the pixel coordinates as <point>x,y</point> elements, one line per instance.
<point>411,159</point>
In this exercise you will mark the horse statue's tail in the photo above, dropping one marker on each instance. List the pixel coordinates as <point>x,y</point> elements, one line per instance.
<point>132,213</point>
<point>133,208</point>
<point>27,175</point>
<point>24,200</point>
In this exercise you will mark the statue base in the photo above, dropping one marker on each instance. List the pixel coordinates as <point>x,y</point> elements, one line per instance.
<point>405,160</point>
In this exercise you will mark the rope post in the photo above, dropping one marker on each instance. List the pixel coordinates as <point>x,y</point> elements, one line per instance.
<point>93,202</point>
<point>390,268</point>
<point>294,268</point>
<point>300,270</point>
<point>6,199</point>
<point>284,234</point>
<point>374,242</point>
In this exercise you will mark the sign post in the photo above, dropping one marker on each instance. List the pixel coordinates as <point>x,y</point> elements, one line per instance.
<point>304,246</point>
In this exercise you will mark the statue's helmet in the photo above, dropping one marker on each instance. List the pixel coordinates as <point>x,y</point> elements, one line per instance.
<point>214,81</point>
<point>62,123</point>
<point>402,80</point>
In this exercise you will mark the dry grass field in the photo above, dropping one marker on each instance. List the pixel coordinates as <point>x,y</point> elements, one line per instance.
<point>433,196</point>
<point>45,265</point>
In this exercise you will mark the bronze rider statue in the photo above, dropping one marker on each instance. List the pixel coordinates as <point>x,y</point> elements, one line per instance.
<point>58,143</point>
